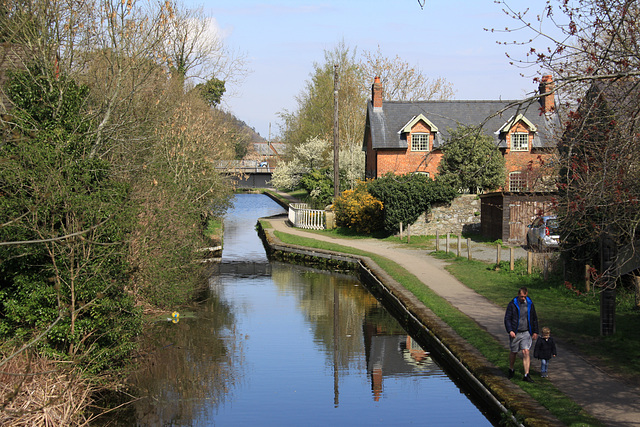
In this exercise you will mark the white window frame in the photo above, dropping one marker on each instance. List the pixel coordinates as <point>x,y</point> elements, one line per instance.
<point>517,182</point>
<point>421,135</point>
<point>517,143</point>
<point>427,174</point>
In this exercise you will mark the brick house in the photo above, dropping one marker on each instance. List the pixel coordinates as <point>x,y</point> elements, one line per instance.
<point>408,136</point>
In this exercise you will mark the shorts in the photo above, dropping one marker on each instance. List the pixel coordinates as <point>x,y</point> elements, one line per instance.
<point>522,341</point>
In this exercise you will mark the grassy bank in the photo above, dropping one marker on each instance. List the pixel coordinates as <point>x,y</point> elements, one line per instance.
<point>498,286</point>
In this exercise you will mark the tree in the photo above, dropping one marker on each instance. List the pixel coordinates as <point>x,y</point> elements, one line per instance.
<point>194,49</point>
<point>314,114</point>
<point>471,161</point>
<point>594,54</point>
<point>108,175</point>
<point>307,157</point>
<point>73,286</point>
<point>211,91</point>
<point>401,81</point>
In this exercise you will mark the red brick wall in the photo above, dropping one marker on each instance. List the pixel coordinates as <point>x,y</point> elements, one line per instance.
<point>522,161</point>
<point>405,161</point>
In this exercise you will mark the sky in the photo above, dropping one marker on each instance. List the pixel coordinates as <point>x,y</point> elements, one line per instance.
<point>282,39</point>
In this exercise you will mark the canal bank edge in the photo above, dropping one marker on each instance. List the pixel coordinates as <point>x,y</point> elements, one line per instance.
<point>501,397</point>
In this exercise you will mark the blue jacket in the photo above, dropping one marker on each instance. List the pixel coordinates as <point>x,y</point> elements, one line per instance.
<point>512,316</point>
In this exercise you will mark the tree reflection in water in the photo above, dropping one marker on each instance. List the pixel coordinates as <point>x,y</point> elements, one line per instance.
<point>190,364</point>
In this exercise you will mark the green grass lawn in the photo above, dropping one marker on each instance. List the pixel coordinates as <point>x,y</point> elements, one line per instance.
<point>573,319</point>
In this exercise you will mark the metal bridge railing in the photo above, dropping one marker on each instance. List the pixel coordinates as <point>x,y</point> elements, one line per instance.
<point>302,217</point>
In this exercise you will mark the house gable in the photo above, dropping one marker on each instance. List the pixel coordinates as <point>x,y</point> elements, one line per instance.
<point>409,126</point>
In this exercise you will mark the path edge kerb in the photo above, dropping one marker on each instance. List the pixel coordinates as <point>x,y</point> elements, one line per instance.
<point>489,383</point>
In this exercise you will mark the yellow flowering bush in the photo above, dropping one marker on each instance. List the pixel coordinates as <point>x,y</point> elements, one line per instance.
<point>358,210</point>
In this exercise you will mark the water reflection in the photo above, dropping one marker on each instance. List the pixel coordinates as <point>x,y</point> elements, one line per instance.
<point>276,344</point>
<point>189,365</point>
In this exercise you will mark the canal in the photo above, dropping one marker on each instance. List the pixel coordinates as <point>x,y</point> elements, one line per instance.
<point>276,344</point>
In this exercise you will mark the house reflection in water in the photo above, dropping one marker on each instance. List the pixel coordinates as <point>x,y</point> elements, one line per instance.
<point>390,352</point>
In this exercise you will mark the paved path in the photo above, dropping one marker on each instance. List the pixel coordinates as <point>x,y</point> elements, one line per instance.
<point>613,402</point>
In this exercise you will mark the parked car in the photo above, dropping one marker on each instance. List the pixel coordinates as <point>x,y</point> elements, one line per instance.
<point>542,234</point>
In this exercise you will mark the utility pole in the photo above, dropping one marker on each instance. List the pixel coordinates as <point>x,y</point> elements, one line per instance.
<point>336,147</point>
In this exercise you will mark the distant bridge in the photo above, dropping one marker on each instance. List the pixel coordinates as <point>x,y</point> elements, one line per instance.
<point>247,173</point>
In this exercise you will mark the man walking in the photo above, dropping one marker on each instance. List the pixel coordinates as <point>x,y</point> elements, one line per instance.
<point>521,322</point>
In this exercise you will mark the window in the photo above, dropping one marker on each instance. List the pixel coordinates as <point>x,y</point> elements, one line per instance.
<point>517,182</point>
<point>419,142</point>
<point>520,141</point>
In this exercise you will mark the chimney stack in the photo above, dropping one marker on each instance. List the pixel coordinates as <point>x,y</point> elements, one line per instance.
<point>546,89</point>
<point>376,94</point>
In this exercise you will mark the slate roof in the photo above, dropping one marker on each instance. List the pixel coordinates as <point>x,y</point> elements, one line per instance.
<point>386,122</point>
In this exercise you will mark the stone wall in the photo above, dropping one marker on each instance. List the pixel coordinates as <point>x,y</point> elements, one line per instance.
<point>461,215</point>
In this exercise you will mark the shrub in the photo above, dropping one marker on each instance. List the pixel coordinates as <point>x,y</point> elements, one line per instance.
<point>405,197</point>
<point>358,210</point>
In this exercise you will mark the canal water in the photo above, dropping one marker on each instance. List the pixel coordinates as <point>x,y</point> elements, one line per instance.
<point>282,345</point>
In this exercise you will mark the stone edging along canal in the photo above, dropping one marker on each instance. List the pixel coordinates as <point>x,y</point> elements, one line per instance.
<point>500,397</point>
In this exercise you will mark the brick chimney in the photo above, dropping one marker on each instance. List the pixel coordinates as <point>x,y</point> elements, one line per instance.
<point>546,88</point>
<point>376,94</point>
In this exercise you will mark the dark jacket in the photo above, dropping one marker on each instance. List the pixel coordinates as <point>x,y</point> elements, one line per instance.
<point>512,316</point>
<point>545,348</point>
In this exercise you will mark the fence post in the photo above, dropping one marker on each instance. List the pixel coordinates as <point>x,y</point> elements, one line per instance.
<point>437,240</point>
<point>401,231</point>
<point>446,250</point>
<point>498,253</point>
<point>459,248</point>
<point>469,248</point>
<point>587,277</point>
<point>511,257</point>
<point>545,273</point>
<point>529,262</point>
<point>408,233</point>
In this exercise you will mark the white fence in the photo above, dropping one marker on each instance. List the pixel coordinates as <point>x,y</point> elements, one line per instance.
<point>302,217</point>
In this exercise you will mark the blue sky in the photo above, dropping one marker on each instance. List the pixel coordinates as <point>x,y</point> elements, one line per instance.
<point>283,38</point>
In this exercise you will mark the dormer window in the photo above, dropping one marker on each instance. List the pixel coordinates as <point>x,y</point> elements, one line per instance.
<point>520,141</point>
<point>419,142</point>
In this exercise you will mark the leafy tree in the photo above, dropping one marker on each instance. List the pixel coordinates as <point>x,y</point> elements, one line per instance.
<point>211,91</point>
<point>471,161</point>
<point>351,161</point>
<point>108,178</point>
<point>314,114</point>
<point>70,281</point>
<point>406,197</point>
<point>311,155</point>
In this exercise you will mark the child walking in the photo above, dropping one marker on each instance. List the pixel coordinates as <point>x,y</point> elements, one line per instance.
<point>544,350</point>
